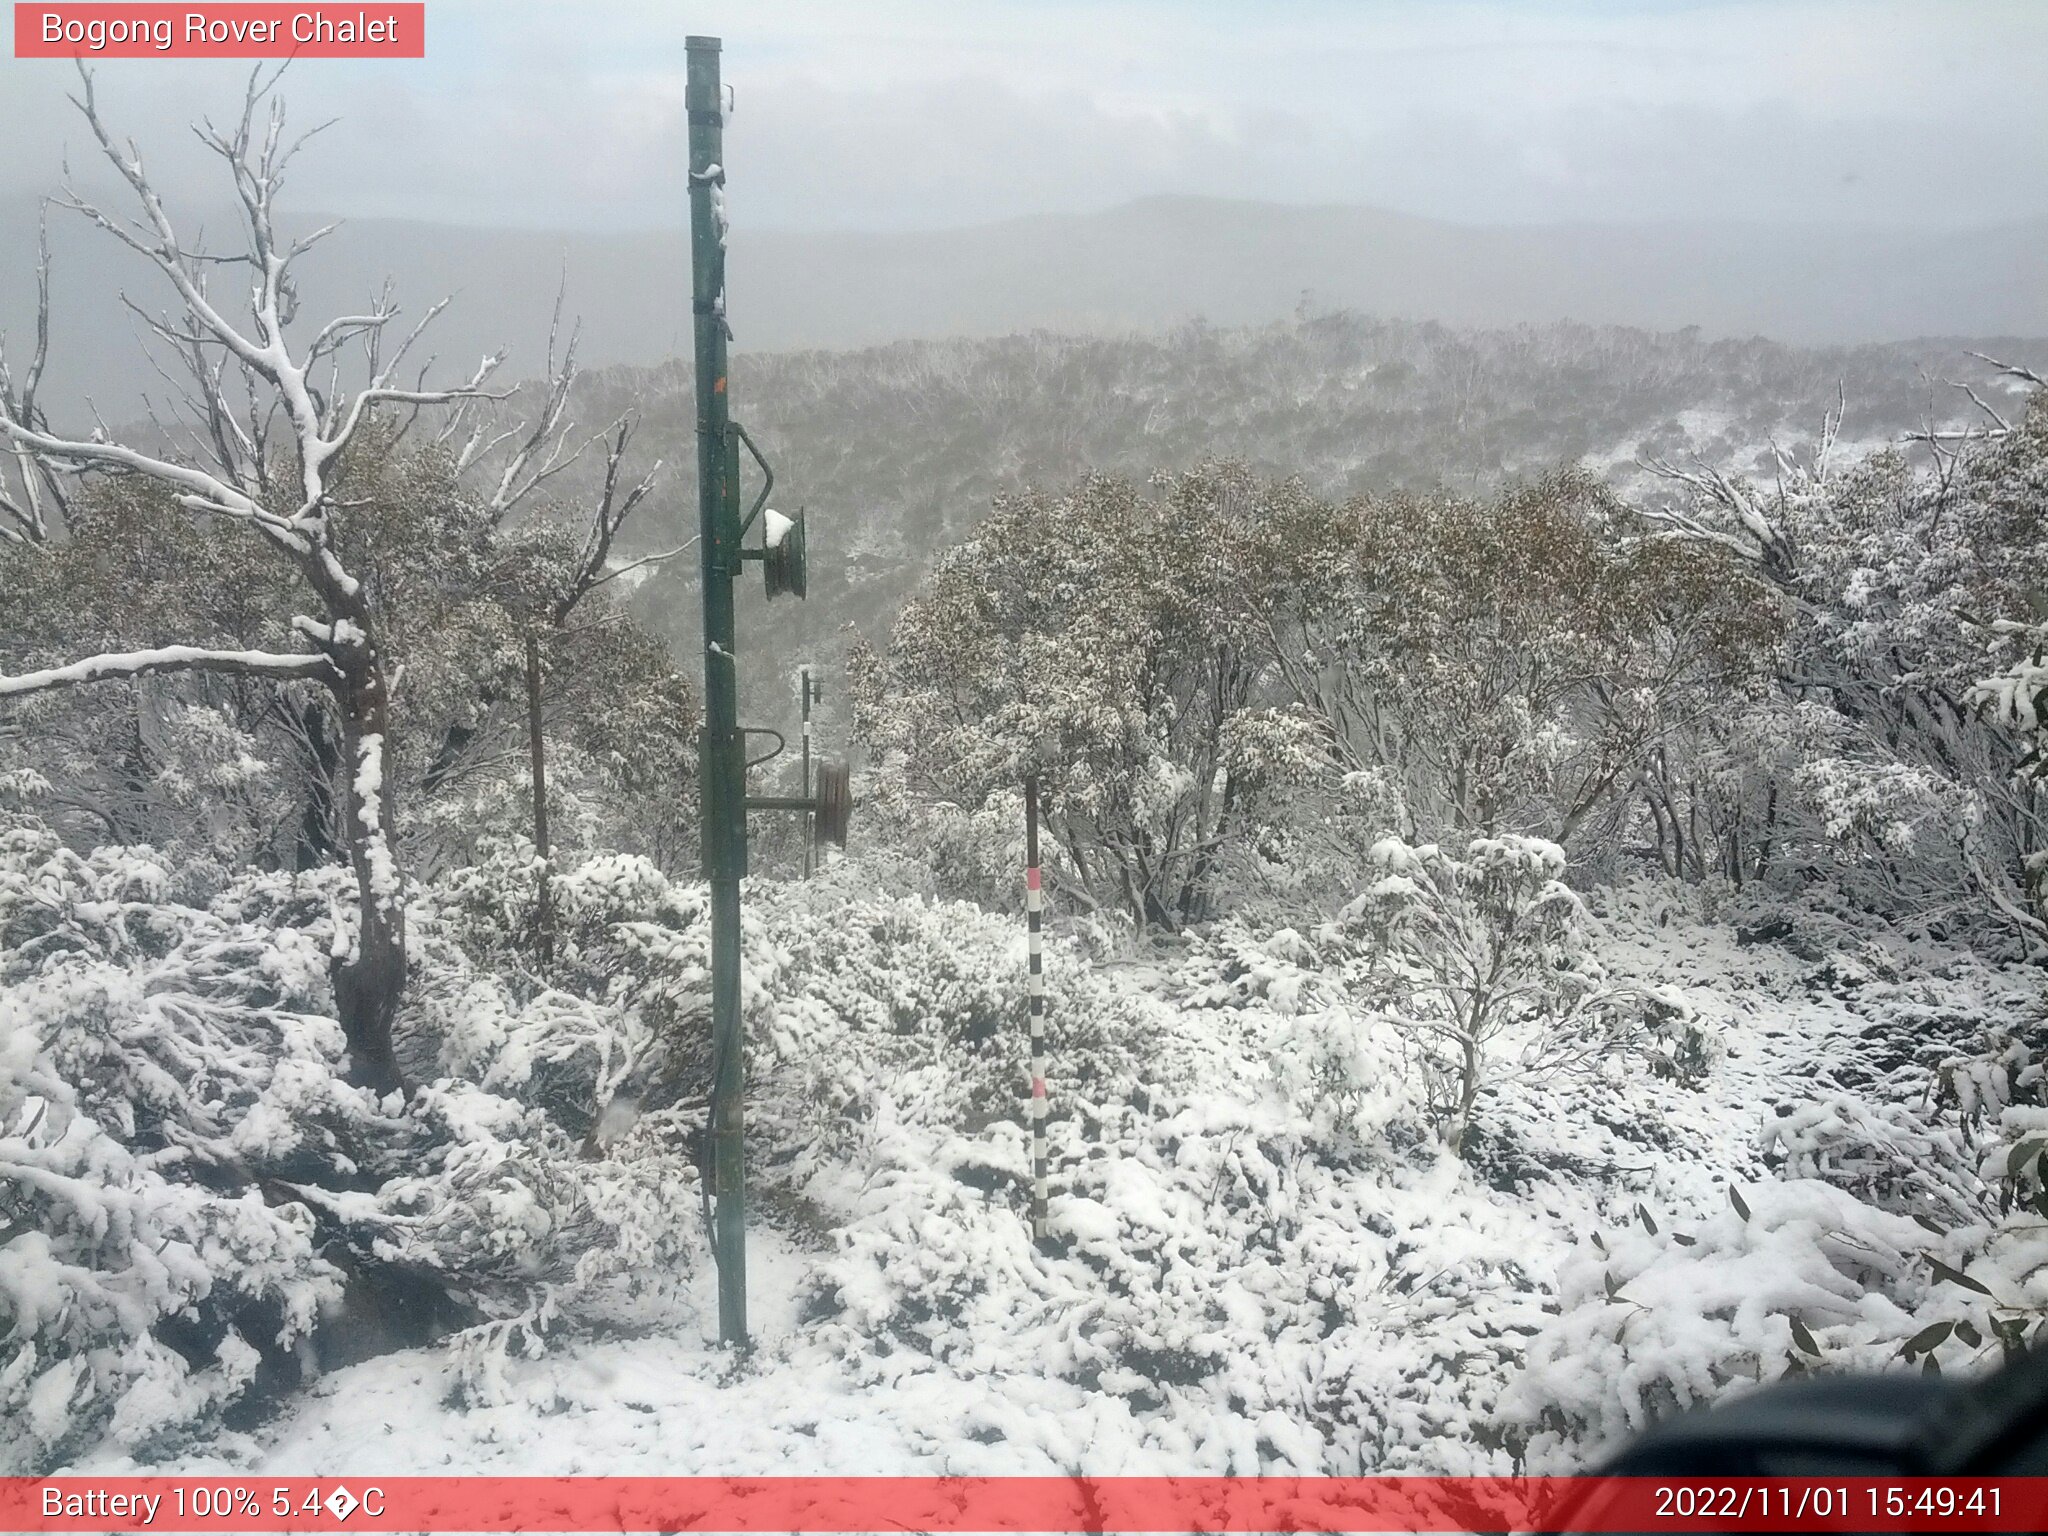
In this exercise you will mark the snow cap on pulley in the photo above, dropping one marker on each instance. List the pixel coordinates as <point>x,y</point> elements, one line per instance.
<point>782,558</point>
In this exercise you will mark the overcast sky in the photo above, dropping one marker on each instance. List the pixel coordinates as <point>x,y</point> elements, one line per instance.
<point>915,113</point>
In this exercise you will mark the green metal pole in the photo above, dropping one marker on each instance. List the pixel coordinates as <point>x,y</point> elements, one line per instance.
<point>722,749</point>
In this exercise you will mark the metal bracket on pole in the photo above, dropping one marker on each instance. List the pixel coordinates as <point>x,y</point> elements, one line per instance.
<point>767,480</point>
<point>781,744</point>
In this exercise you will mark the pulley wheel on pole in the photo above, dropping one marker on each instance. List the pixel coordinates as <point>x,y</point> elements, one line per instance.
<point>783,564</point>
<point>834,802</point>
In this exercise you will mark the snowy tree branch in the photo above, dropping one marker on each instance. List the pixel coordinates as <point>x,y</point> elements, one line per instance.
<point>285,666</point>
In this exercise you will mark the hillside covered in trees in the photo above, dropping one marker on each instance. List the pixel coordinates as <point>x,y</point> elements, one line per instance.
<point>899,449</point>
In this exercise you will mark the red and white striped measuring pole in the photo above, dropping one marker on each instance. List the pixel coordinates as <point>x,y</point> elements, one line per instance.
<point>1034,907</point>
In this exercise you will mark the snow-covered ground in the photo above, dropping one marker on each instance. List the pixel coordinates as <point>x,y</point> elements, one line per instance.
<point>1253,1276</point>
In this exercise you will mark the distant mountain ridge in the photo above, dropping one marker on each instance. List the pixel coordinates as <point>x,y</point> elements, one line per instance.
<point>1140,266</point>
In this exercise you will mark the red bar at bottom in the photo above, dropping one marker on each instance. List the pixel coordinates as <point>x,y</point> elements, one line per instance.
<point>1048,1504</point>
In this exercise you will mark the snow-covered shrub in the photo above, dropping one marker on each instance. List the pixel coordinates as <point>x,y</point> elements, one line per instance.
<point>1234,965</point>
<point>140,1301</point>
<point>1342,1069</point>
<point>2000,1094</point>
<point>1233,1297</point>
<point>1677,1043</point>
<point>526,1228</point>
<point>160,1067</point>
<point>1346,1072</point>
<point>630,973</point>
<point>872,1006</point>
<point>548,1175</point>
<point>1908,1228</point>
<point>908,967</point>
<point>1790,1276</point>
<point>187,1180</point>
<point>1481,953</point>
<point>1895,1157</point>
<point>1954,1142</point>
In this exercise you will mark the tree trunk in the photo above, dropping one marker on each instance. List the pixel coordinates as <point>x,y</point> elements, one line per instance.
<point>544,902</point>
<point>1763,854</point>
<point>369,980</point>
<point>1468,1093</point>
<point>314,845</point>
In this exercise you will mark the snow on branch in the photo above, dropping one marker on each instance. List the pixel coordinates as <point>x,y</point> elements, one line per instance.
<point>1727,513</point>
<point>1754,538</point>
<point>2013,370</point>
<point>305,666</point>
<point>1937,439</point>
<point>543,451</point>
<point>198,490</point>
<point>615,572</point>
<point>609,517</point>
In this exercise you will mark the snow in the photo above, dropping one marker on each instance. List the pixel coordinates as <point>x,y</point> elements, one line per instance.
<point>775,527</point>
<point>1262,1267</point>
<point>163,658</point>
<point>369,788</point>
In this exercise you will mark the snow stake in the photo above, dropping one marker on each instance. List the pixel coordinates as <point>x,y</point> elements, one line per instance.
<point>1034,905</point>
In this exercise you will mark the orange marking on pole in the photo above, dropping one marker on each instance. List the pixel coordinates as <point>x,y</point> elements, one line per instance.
<point>719,387</point>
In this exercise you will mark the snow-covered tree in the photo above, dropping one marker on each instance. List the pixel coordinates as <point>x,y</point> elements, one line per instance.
<point>427,562</point>
<point>1510,665</point>
<point>2008,477</point>
<point>1097,640</point>
<point>267,427</point>
<point>1901,581</point>
<point>1481,953</point>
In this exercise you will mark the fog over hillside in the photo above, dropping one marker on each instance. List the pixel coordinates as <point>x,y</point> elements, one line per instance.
<point>1143,265</point>
<point>899,450</point>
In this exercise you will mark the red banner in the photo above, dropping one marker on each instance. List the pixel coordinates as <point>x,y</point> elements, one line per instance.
<point>216,31</point>
<point>1038,1504</point>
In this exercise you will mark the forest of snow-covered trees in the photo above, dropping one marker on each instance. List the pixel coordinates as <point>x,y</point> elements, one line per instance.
<point>1528,954</point>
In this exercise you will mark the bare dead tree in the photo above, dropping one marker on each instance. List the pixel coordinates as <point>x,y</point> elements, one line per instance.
<point>248,383</point>
<point>593,568</point>
<point>1737,519</point>
<point>1938,440</point>
<point>513,456</point>
<point>35,500</point>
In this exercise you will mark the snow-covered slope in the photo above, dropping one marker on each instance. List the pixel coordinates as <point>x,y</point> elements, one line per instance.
<point>1265,1264</point>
